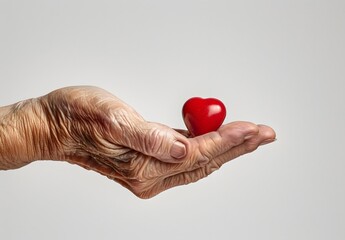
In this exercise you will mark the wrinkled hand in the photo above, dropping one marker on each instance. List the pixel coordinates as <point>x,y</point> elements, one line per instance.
<point>92,128</point>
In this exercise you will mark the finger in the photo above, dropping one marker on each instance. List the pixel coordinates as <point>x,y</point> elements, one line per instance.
<point>265,135</point>
<point>158,141</point>
<point>203,148</point>
<point>211,145</point>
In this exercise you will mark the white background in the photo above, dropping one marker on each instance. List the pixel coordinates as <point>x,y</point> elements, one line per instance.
<point>281,63</point>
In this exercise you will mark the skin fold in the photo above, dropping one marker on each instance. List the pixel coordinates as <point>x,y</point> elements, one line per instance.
<point>92,128</point>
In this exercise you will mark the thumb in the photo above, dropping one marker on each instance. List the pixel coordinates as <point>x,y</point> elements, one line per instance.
<point>160,141</point>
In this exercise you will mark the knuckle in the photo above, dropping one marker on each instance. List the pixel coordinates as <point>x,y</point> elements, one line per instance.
<point>236,138</point>
<point>209,148</point>
<point>151,139</point>
<point>210,168</point>
<point>250,147</point>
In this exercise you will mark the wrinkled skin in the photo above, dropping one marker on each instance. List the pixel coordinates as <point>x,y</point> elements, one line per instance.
<point>92,128</point>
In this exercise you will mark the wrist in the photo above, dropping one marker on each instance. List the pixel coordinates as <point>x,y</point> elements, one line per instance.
<point>22,134</point>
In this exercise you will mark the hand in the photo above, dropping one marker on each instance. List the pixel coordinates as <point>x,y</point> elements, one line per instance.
<point>92,128</point>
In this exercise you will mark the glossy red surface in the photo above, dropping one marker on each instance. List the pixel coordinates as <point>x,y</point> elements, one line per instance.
<point>203,115</point>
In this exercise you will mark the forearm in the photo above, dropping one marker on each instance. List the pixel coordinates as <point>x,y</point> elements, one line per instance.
<point>22,134</point>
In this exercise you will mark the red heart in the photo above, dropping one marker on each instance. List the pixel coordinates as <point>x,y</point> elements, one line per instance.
<point>203,115</point>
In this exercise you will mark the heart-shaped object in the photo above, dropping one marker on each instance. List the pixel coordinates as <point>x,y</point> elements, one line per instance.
<point>203,115</point>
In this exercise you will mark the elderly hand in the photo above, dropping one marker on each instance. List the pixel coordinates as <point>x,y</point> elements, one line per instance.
<point>92,128</point>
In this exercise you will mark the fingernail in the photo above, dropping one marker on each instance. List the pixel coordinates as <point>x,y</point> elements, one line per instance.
<point>268,141</point>
<point>178,150</point>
